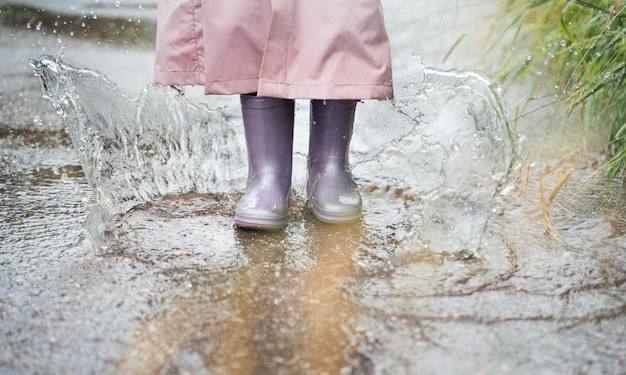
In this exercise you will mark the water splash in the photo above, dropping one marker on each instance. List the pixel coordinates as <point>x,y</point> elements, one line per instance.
<point>451,153</point>
<point>133,150</point>
<point>445,142</point>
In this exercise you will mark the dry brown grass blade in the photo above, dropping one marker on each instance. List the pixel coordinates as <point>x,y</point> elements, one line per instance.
<point>521,176</point>
<point>559,184</point>
<point>544,209</point>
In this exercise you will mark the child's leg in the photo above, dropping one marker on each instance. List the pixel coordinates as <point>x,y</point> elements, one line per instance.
<point>268,125</point>
<point>332,192</point>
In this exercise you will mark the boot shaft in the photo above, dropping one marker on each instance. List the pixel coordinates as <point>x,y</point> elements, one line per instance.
<point>268,129</point>
<point>331,131</point>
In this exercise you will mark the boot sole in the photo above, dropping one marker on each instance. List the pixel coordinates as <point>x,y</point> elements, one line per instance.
<point>260,223</point>
<point>336,217</point>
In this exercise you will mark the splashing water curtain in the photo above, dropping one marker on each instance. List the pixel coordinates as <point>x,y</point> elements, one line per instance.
<point>446,140</point>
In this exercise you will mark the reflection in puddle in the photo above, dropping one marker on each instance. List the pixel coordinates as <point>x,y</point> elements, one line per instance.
<point>270,315</point>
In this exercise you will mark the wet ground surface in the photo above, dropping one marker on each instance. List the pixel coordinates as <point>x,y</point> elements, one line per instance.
<point>179,290</point>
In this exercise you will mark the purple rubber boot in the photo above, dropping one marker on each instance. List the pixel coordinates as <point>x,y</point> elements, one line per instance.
<point>332,192</point>
<point>268,127</point>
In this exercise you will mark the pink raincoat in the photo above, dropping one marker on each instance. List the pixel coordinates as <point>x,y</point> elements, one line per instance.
<point>296,49</point>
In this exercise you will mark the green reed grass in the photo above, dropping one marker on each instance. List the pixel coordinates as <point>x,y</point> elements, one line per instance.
<point>582,46</point>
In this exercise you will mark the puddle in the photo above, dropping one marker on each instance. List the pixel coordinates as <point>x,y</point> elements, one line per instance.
<point>119,254</point>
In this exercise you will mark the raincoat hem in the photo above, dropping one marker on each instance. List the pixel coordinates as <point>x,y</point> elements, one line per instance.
<point>168,77</point>
<point>231,87</point>
<point>333,91</point>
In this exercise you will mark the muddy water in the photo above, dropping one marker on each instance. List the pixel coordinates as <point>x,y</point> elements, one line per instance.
<point>450,271</point>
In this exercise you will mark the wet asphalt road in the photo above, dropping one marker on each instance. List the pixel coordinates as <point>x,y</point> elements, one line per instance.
<point>180,291</point>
